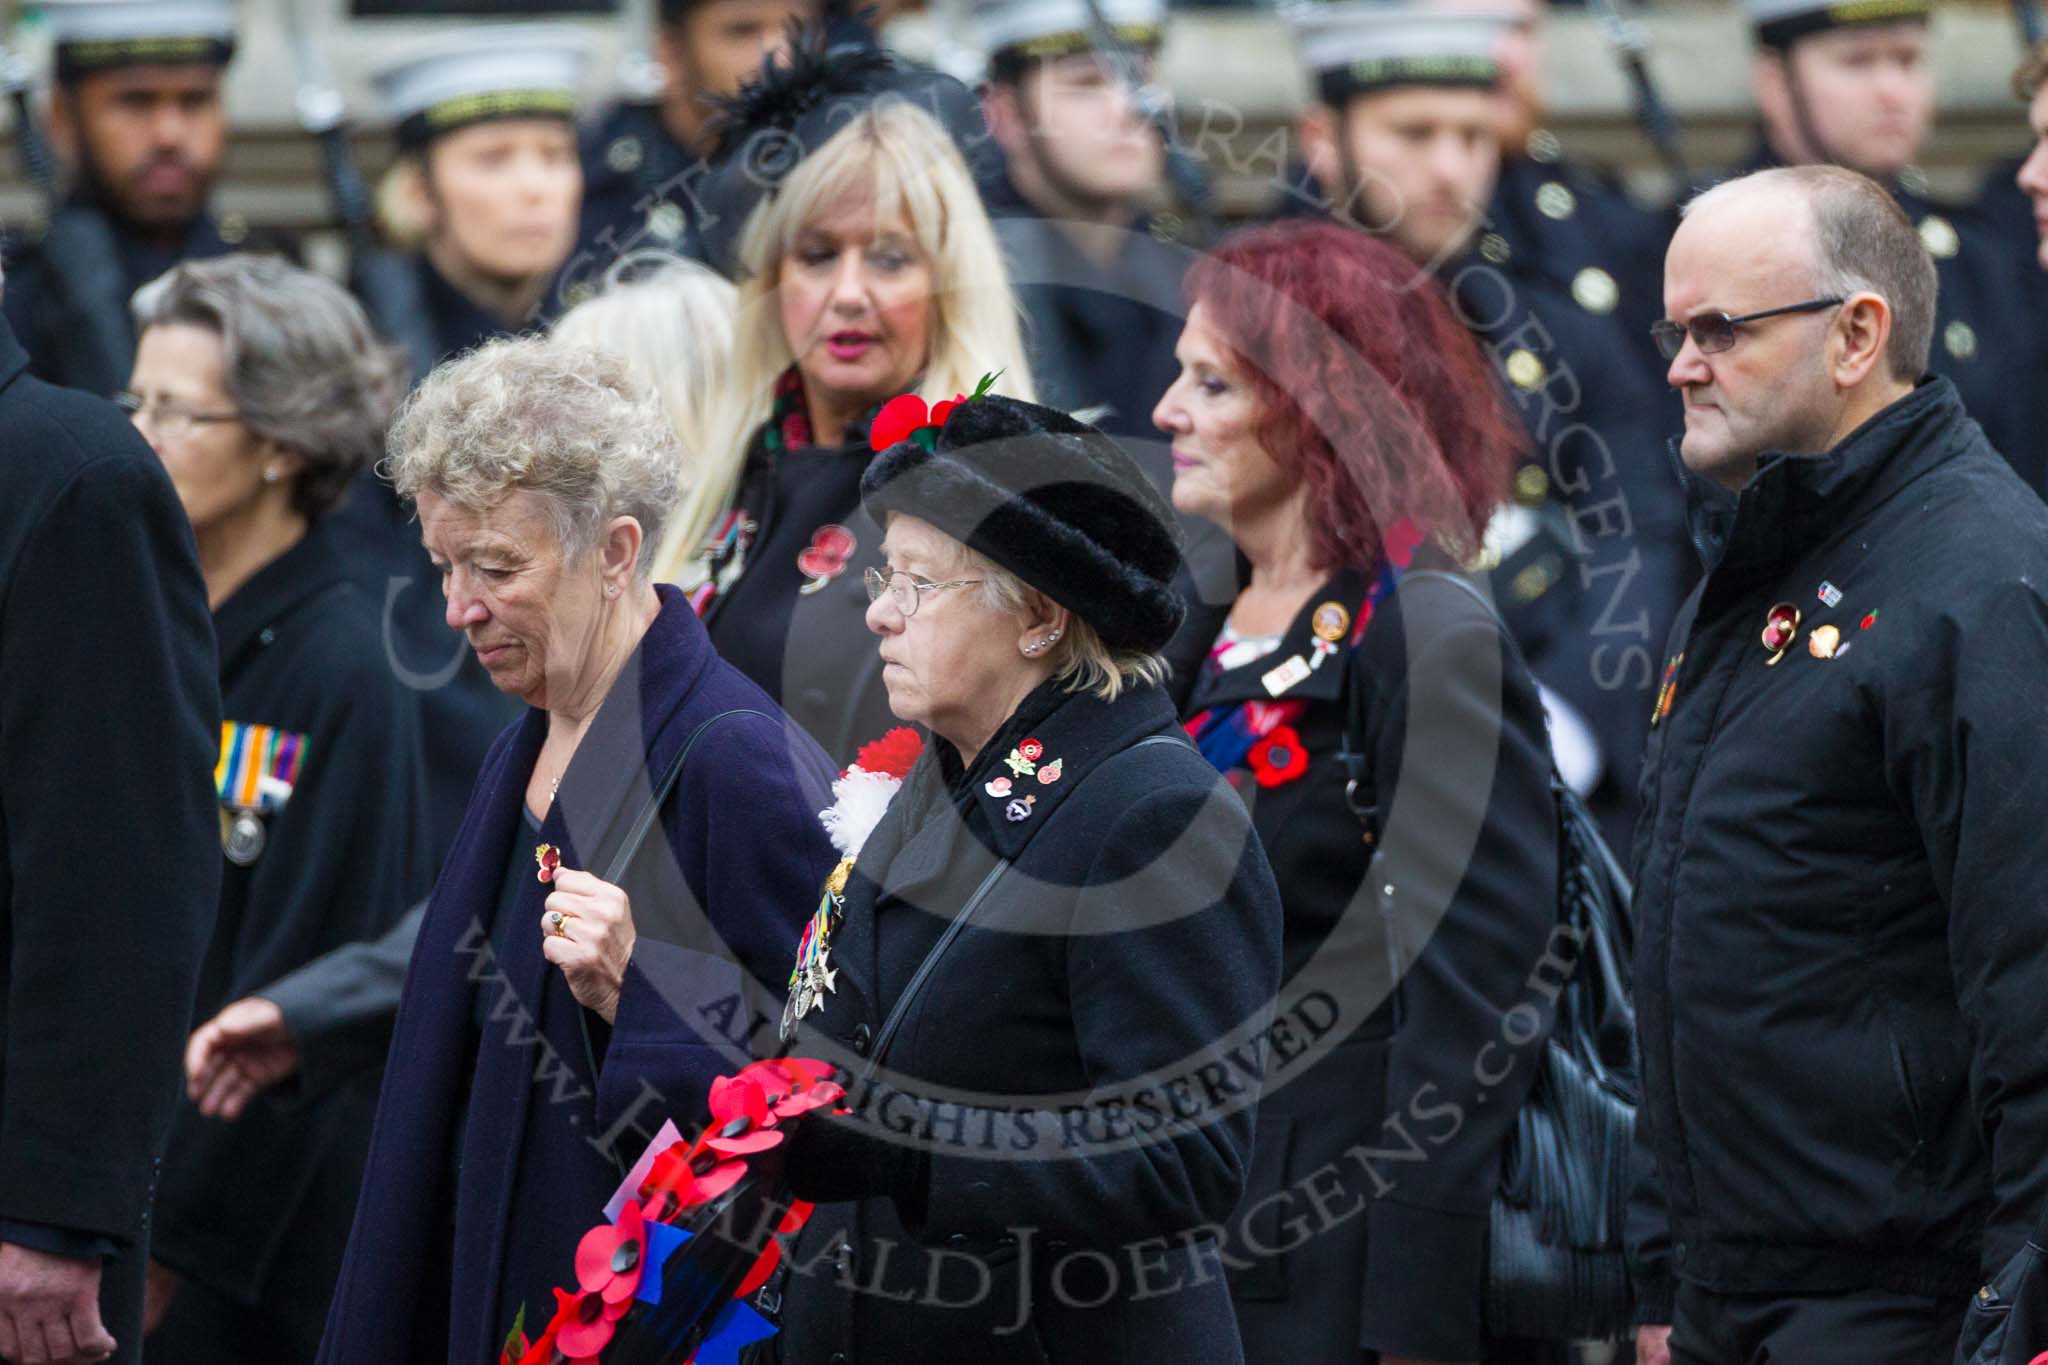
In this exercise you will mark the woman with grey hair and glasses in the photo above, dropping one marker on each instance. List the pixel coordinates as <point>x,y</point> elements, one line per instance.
<point>263,391</point>
<point>641,848</point>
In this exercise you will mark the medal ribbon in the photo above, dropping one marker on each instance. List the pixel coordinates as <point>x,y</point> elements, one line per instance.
<point>258,766</point>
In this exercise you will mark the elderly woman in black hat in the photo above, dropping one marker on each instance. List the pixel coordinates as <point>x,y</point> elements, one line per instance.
<point>1046,968</point>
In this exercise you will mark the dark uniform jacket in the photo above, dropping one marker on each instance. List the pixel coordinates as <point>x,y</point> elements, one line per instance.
<point>1564,281</point>
<point>543,1113</point>
<point>1333,1254</point>
<point>640,193</point>
<point>1113,979</point>
<point>1839,897</point>
<point>110,875</point>
<point>803,638</point>
<point>62,309</point>
<point>259,1209</point>
<point>1096,337</point>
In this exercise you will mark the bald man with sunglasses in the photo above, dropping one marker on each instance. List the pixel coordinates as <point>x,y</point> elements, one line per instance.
<point>1841,885</point>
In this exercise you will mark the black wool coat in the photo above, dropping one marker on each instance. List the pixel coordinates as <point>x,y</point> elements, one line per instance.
<point>1840,892</point>
<point>1403,959</point>
<point>259,1209</point>
<point>1084,1061</point>
<point>109,842</point>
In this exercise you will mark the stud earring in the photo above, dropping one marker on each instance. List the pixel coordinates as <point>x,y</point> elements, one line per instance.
<point>611,590</point>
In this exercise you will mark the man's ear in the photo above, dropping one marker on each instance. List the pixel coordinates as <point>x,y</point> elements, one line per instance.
<point>1858,340</point>
<point>1002,104</point>
<point>60,122</point>
<point>1317,130</point>
<point>1770,84</point>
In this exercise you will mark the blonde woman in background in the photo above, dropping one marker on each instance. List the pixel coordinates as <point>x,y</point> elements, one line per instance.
<point>869,269</point>
<point>671,321</point>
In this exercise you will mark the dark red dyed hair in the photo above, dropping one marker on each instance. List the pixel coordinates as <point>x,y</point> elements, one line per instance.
<point>1374,395</point>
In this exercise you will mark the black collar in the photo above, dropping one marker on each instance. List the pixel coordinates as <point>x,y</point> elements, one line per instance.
<point>1346,589</point>
<point>302,573</point>
<point>13,358</point>
<point>1794,502</point>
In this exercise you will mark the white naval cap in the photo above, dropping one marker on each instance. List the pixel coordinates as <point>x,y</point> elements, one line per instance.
<point>502,71</point>
<point>1059,28</point>
<point>1779,23</point>
<point>95,35</point>
<point>1356,46</point>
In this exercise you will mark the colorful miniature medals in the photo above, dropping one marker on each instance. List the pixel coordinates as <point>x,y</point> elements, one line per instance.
<point>814,977</point>
<point>254,776</point>
<point>1781,628</point>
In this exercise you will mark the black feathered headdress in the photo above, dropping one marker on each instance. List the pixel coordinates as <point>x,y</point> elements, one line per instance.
<point>799,102</point>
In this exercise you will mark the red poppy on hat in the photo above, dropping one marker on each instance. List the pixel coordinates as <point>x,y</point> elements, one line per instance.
<point>1279,757</point>
<point>906,418</point>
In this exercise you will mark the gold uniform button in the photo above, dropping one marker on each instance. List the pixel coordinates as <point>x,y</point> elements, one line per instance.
<point>1494,248</point>
<point>1595,290</point>
<point>665,221</point>
<point>1532,582</point>
<point>1960,338</point>
<point>1524,370</point>
<point>1553,200</point>
<point>1938,235</point>
<point>1913,180</point>
<point>1532,485</point>
<point>624,155</point>
<point>234,229</point>
<point>1544,146</point>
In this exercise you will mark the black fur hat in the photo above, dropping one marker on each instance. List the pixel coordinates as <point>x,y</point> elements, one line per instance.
<point>1052,500</point>
<point>794,108</point>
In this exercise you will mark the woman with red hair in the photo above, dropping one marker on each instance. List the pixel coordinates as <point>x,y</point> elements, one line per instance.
<point>1333,416</point>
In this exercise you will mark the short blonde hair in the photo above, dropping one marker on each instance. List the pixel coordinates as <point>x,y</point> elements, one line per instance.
<point>1080,659</point>
<point>897,154</point>
<point>671,321</point>
<point>562,422</point>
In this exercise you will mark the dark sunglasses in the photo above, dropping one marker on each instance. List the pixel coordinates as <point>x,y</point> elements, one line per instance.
<point>1713,332</point>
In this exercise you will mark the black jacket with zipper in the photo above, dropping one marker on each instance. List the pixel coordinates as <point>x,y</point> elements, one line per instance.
<point>1841,896</point>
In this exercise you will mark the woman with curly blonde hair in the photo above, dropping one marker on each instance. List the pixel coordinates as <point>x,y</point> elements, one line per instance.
<point>870,269</point>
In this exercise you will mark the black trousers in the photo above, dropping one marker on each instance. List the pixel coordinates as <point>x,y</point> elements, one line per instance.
<point>1863,1327</point>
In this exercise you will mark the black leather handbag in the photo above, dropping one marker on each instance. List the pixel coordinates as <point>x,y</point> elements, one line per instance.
<point>1556,1260</point>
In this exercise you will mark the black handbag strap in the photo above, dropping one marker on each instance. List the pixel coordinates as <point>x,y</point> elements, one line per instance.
<point>924,971</point>
<point>636,833</point>
<point>1354,754</point>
